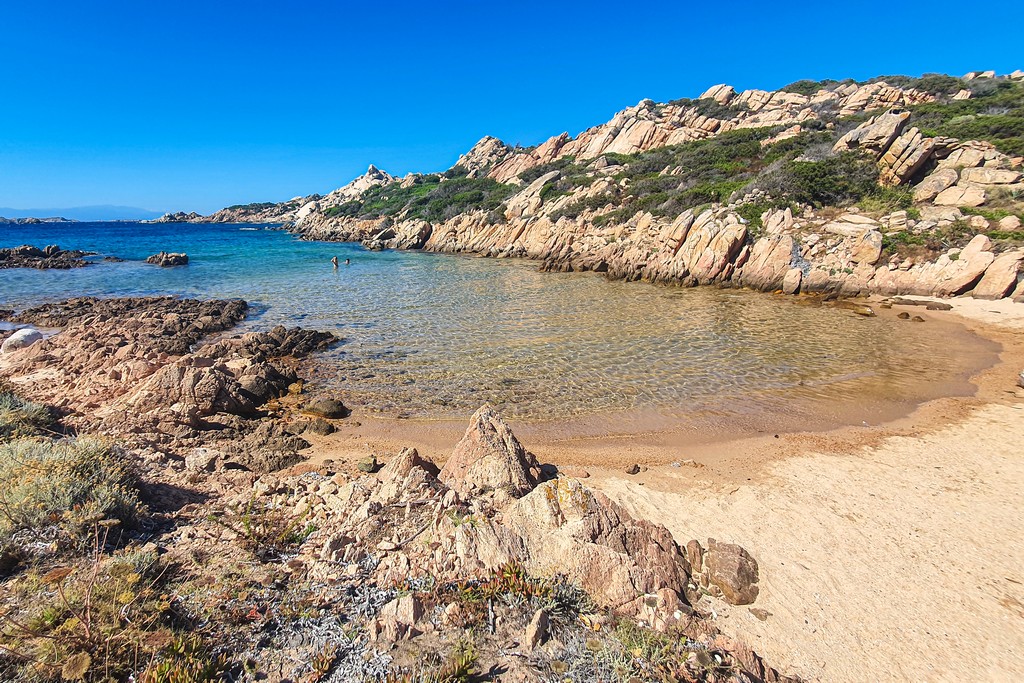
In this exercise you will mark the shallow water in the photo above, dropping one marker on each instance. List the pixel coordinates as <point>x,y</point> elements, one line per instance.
<point>434,336</point>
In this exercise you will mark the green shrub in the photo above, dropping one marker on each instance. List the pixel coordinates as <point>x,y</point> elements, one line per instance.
<point>939,84</point>
<point>995,113</point>
<point>1007,235</point>
<point>253,207</point>
<point>19,417</point>
<point>711,108</point>
<point>66,484</point>
<point>566,163</point>
<point>551,191</point>
<point>267,532</point>
<point>576,208</point>
<point>429,199</point>
<point>991,214</point>
<point>834,181</point>
<point>807,87</point>
<point>888,199</point>
<point>892,243</point>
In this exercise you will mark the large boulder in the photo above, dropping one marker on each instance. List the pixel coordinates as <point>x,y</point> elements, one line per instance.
<point>867,248</point>
<point>21,339</point>
<point>876,134</point>
<point>330,408</point>
<point>566,528</point>
<point>1001,277</point>
<point>949,277</point>
<point>961,195</point>
<point>985,175</point>
<point>489,458</point>
<point>791,283</point>
<point>770,260</point>
<point>167,260</point>
<point>905,157</point>
<point>733,571</point>
<point>937,181</point>
<point>719,93</point>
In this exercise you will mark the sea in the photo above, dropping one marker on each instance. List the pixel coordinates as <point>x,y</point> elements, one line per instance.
<point>433,336</point>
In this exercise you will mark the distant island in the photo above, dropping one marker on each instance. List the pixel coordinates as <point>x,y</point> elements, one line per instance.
<point>100,212</point>
<point>33,220</point>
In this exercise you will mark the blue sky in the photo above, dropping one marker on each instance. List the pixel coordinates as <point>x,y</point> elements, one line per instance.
<point>195,105</point>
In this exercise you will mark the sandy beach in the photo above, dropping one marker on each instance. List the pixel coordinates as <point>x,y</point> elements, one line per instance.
<point>896,559</point>
<point>886,552</point>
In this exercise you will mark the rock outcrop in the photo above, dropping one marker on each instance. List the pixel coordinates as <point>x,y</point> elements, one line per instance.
<point>468,522</point>
<point>27,256</point>
<point>168,260</point>
<point>130,367</point>
<point>490,458</point>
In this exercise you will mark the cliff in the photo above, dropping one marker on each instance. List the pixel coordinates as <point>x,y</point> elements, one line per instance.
<point>898,186</point>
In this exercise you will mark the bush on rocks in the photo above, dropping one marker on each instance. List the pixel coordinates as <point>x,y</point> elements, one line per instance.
<point>64,488</point>
<point>19,417</point>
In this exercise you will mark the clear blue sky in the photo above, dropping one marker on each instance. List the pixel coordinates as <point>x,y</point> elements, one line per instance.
<point>195,105</point>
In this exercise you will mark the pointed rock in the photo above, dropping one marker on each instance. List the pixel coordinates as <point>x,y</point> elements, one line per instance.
<point>489,457</point>
<point>399,468</point>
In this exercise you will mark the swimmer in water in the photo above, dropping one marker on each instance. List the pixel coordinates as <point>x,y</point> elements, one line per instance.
<point>334,260</point>
<point>348,262</point>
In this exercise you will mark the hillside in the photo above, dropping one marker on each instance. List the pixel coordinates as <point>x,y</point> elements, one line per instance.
<point>896,185</point>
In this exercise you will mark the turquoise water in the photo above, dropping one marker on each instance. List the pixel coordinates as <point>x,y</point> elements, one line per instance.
<point>429,335</point>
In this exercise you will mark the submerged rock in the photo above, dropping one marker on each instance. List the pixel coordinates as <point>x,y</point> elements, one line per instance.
<point>330,408</point>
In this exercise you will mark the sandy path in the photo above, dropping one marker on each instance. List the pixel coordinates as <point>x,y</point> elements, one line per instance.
<point>901,562</point>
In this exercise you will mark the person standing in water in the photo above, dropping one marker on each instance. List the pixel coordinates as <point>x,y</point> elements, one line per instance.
<point>348,262</point>
<point>334,260</point>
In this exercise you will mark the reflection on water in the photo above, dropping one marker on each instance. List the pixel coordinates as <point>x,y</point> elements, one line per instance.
<point>435,336</point>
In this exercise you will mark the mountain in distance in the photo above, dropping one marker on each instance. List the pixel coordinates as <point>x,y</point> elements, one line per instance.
<point>101,212</point>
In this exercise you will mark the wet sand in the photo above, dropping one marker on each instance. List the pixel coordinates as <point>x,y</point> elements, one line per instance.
<point>891,551</point>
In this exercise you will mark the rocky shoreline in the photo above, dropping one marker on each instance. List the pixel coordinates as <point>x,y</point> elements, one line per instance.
<point>27,256</point>
<point>403,556</point>
<point>933,214</point>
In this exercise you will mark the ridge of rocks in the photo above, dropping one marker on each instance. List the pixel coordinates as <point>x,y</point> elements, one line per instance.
<point>794,250</point>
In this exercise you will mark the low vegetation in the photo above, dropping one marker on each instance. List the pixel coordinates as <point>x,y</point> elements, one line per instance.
<point>268,532</point>
<point>994,113</point>
<point>58,490</point>
<point>436,197</point>
<point>19,417</point>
